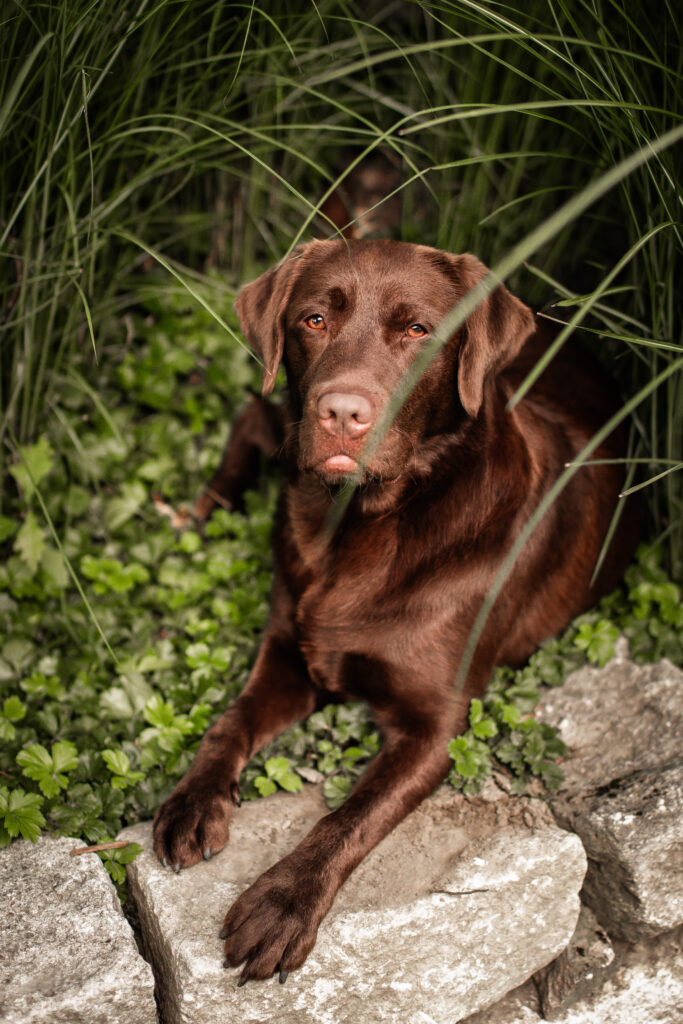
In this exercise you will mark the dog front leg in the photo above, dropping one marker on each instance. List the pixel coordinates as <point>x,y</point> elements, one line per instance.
<point>273,925</point>
<point>194,821</point>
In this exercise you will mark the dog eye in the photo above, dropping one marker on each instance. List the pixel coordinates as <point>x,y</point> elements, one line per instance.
<point>416,331</point>
<point>316,322</point>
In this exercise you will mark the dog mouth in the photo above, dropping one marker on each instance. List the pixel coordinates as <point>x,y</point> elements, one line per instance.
<point>336,467</point>
<point>340,464</point>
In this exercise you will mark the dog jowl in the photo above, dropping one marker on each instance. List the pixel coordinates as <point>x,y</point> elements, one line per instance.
<point>381,611</point>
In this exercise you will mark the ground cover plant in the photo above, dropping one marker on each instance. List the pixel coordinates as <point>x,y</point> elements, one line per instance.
<point>200,139</point>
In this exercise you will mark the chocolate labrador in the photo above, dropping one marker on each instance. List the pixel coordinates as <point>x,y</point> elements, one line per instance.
<point>381,610</point>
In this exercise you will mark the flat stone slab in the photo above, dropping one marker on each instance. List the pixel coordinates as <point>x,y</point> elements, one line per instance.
<point>67,953</point>
<point>643,986</point>
<point>463,901</point>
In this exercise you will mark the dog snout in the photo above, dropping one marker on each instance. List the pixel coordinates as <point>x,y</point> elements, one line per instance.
<point>345,413</point>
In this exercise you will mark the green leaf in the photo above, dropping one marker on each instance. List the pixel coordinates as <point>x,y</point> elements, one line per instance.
<point>45,768</point>
<point>21,813</point>
<point>353,754</point>
<point>552,775</point>
<point>275,766</point>
<point>265,786</point>
<point>77,501</point>
<point>64,756</point>
<point>35,761</point>
<point>116,871</point>
<point>476,710</point>
<point>8,527</point>
<point>53,565</point>
<point>597,640</point>
<point>13,709</point>
<point>123,507</point>
<point>116,761</point>
<point>159,712</point>
<point>30,542</point>
<point>290,782</point>
<point>336,790</point>
<point>126,855</point>
<point>197,655</point>
<point>190,542</point>
<point>279,770</point>
<point>18,652</point>
<point>36,462</point>
<point>510,715</point>
<point>116,702</point>
<point>485,728</point>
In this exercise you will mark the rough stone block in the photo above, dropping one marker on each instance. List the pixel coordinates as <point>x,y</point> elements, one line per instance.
<point>521,1006</point>
<point>67,953</point>
<point>616,720</point>
<point>462,902</point>
<point>633,835</point>
<point>623,791</point>
<point>579,970</point>
<point>644,985</point>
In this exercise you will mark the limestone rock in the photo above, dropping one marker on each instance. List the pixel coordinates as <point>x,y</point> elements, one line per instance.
<point>623,791</point>
<point>67,954</point>
<point>521,1006</point>
<point>579,969</point>
<point>633,835</point>
<point>459,904</point>
<point>644,985</point>
<point>616,720</point>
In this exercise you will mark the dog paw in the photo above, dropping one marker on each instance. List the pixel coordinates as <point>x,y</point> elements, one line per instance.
<point>272,926</point>
<point>193,824</point>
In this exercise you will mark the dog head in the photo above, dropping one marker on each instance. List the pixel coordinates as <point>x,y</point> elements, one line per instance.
<point>347,319</point>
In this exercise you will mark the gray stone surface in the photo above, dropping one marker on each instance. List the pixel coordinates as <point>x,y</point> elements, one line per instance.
<point>644,985</point>
<point>462,902</point>
<point>623,791</point>
<point>521,1006</point>
<point>579,969</point>
<point>67,954</point>
<point>616,720</point>
<point>633,835</point>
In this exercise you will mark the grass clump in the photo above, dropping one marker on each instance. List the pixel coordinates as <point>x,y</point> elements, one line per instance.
<point>211,133</point>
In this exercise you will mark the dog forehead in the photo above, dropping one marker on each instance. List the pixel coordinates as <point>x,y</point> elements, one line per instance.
<point>376,274</point>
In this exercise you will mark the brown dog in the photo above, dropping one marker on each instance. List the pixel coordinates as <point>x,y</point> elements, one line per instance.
<point>381,612</point>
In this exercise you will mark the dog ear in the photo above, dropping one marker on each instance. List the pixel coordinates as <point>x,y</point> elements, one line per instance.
<point>261,308</point>
<point>491,336</point>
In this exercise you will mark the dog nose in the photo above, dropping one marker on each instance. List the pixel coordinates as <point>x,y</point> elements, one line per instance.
<point>341,412</point>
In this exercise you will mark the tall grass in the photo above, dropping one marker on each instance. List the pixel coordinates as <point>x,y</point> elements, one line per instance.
<point>211,132</point>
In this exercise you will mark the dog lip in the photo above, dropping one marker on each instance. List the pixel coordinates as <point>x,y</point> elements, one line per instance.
<point>340,463</point>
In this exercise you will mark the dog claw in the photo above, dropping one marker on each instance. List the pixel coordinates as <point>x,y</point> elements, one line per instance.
<point>164,862</point>
<point>241,982</point>
<point>206,853</point>
<point>223,933</point>
<point>283,977</point>
<point>226,964</point>
<point>176,868</point>
<point>235,795</point>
